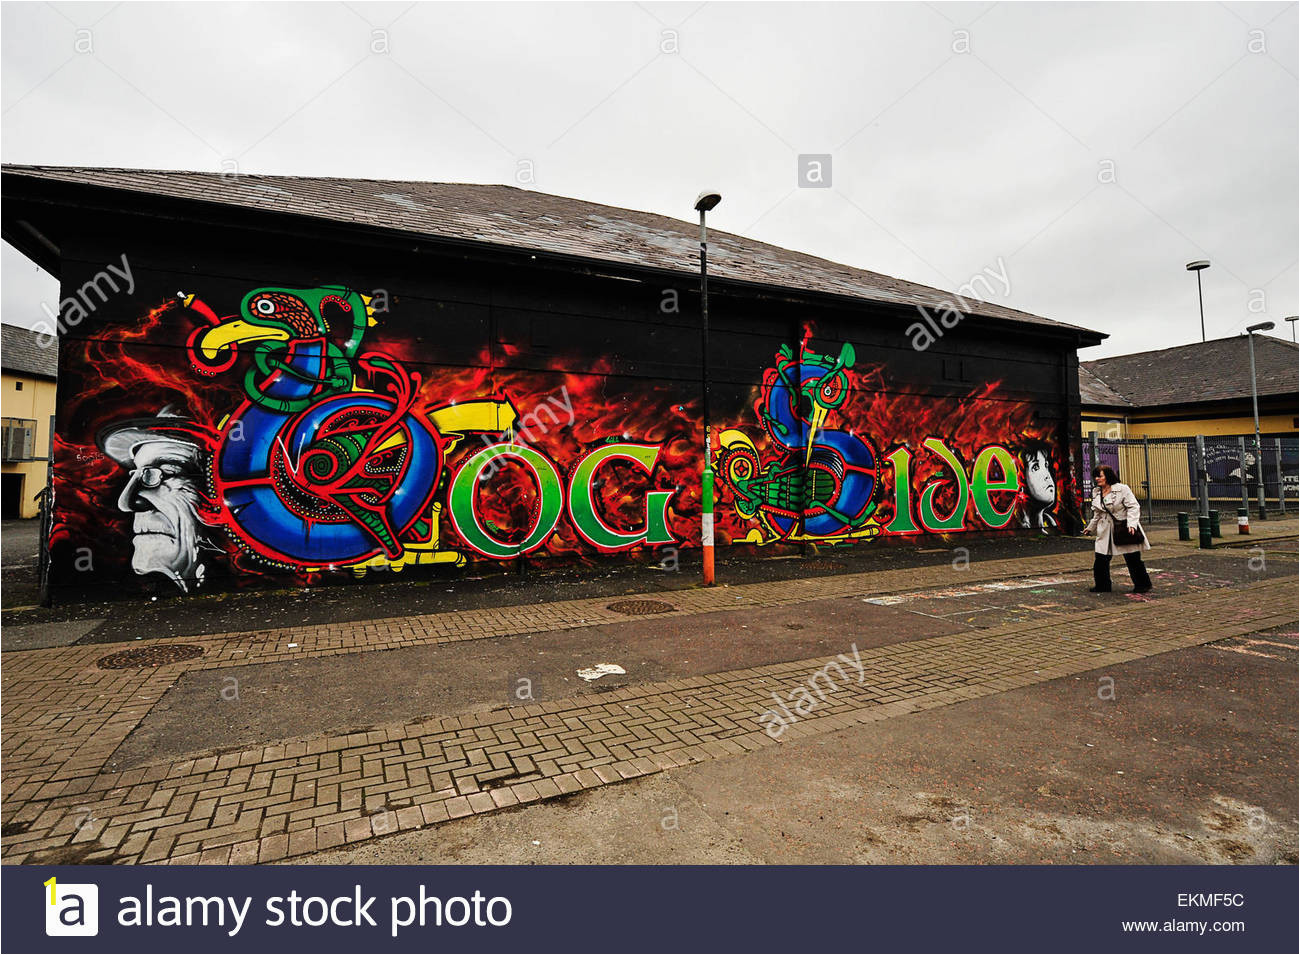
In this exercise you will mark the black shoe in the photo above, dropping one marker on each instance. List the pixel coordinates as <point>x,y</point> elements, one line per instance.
<point>1098,590</point>
<point>1141,590</point>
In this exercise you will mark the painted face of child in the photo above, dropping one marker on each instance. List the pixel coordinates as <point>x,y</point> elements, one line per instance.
<point>1039,482</point>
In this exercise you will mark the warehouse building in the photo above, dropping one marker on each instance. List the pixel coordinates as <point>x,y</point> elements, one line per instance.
<point>282,377</point>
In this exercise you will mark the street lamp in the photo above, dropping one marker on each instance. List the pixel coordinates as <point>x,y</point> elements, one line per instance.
<point>706,201</point>
<point>1198,267</point>
<point>1254,400</point>
<point>1292,319</point>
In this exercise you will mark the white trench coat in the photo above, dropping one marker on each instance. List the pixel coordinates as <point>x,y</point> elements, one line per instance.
<point>1119,501</point>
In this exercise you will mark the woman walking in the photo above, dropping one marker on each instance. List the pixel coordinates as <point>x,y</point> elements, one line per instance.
<point>1116,519</point>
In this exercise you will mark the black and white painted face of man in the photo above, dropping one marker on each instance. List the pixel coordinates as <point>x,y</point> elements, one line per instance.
<point>1040,484</point>
<point>162,494</point>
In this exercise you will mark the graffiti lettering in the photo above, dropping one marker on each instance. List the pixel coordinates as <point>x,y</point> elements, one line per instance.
<point>464,512</point>
<point>585,515</point>
<point>984,486</point>
<point>992,477</point>
<point>552,499</point>
<point>929,517</point>
<point>820,482</point>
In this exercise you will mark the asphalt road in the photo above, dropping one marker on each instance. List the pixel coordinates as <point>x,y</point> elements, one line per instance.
<point>19,543</point>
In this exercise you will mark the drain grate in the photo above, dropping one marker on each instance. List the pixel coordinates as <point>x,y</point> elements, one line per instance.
<point>634,608</point>
<point>150,656</point>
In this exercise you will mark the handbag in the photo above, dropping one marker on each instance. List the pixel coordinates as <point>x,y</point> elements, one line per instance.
<point>1119,533</point>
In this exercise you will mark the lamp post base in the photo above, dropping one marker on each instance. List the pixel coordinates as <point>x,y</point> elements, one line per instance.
<point>706,524</point>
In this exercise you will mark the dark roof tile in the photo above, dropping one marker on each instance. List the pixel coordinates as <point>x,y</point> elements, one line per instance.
<point>25,352</point>
<point>533,221</point>
<point>1094,391</point>
<point>1217,370</point>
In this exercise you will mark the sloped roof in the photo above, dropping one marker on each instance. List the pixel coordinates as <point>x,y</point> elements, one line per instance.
<point>526,220</point>
<point>1094,391</point>
<point>1216,370</point>
<point>25,352</point>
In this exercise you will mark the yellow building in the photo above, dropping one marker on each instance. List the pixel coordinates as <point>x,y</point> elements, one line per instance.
<point>1203,388</point>
<point>30,366</point>
<point>1146,410</point>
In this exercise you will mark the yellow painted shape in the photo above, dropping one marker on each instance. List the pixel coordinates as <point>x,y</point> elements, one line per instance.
<point>731,436</point>
<point>395,440</point>
<point>234,331</point>
<point>487,415</point>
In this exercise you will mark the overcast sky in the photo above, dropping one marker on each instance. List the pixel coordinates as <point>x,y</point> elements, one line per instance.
<point>1090,150</point>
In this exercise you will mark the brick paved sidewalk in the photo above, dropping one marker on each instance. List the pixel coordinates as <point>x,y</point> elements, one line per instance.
<point>63,717</point>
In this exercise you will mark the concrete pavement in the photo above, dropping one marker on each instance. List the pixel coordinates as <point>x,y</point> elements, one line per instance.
<point>1190,762</point>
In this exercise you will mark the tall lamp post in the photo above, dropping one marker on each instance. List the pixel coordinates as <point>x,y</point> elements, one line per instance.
<point>1198,267</point>
<point>706,201</point>
<point>1254,400</point>
<point>1292,319</point>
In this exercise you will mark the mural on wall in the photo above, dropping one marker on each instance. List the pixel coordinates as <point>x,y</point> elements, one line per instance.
<point>167,471</point>
<point>328,454</point>
<point>331,461</point>
<point>814,474</point>
<point>1039,499</point>
<point>287,434</point>
<point>1223,462</point>
<point>819,482</point>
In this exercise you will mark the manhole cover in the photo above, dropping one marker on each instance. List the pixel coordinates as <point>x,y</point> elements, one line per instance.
<point>150,656</point>
<point>822,564</point>
<point>637,607</point>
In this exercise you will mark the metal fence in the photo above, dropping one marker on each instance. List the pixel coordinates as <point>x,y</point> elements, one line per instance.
<point>1196,474</point>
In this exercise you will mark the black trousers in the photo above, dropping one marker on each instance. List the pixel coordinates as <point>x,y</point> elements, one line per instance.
<point>1136,570</point>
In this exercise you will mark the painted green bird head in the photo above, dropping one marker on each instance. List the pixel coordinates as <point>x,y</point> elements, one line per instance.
<point>822,378</point>
<point>284,314</point>
<point>823,384</point>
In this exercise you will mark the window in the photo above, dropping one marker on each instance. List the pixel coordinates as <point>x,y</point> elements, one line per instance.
<point>954,369</point>
<point>18,386</point>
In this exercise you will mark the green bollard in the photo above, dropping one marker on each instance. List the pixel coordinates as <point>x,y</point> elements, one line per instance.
<point>1203,525</point>
<point>1184,527</point>
<point>1214,524</point>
